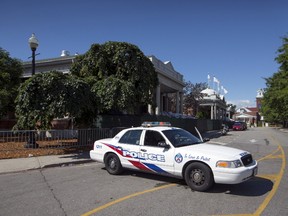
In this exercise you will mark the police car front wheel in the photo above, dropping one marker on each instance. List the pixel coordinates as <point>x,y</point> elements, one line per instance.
<point>113,164</point>
<point>198,176</point>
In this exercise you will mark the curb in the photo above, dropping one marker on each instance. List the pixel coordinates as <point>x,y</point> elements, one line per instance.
<point>64,164</point>
<point>60,164</point>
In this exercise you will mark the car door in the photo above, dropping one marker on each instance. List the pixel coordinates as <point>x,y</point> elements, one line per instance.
<point>128,148</point>
<point>154,157</point>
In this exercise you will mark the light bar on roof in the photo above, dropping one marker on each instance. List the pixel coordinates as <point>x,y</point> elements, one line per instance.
<point>156,124</point>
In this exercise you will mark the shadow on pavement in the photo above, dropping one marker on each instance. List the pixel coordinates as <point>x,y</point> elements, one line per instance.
<point>79,155</point>
<point>254,187</point>
<point>212,134</point>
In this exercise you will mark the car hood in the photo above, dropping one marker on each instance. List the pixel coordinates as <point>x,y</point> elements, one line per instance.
<point>214,151</point>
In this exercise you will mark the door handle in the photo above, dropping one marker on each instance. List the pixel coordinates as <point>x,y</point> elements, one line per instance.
<point>143,150</point>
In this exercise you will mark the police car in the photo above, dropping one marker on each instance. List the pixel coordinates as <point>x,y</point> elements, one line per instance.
<point>161,149</point>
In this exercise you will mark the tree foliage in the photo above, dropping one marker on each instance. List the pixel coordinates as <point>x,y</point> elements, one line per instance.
<point>10,74</point>
<point>282,58</point>
<point>275,101</point>
<point>51,95</point>
<point>192,96</point>
<point>120,75</point>
<point>231,108</point>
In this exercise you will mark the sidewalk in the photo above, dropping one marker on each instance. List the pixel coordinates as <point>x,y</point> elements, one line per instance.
<point>24,164</point>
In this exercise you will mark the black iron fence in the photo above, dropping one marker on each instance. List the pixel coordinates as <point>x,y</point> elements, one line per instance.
<point>30,142</point>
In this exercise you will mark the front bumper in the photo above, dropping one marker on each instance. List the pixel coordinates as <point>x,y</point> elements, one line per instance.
<point>235,175</point>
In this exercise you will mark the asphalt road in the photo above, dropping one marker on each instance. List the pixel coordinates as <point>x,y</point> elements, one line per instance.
<point>89,190</point>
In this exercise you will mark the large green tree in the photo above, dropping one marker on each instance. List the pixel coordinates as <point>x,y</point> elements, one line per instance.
<point>51,95</point>
<point>120,75</point>
<point>10,78</point>
<point>275,101</point>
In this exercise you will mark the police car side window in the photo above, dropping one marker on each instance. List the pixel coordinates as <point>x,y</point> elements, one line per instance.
<point>152,138</point>
<point>131,137</point>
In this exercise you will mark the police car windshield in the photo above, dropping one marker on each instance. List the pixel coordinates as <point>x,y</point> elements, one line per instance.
<point>180,137</point>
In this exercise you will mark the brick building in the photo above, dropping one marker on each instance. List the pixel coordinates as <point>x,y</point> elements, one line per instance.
<point>251,115</point>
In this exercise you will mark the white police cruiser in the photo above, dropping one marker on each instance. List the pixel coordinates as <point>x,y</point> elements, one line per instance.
<point>174,152</point>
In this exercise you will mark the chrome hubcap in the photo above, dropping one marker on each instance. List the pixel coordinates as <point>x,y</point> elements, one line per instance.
<point>112,164</point>
<point>197,177</point>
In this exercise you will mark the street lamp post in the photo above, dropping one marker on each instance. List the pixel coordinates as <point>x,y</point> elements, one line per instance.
<point>33,42</point>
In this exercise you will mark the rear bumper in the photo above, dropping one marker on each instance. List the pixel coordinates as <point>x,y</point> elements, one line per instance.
<point>237,128</point>
<point>94,155</point>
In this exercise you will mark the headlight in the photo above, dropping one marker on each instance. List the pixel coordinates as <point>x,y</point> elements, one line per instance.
<point>229,164</point>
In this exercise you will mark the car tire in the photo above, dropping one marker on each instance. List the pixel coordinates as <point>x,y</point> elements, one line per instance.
<point>113,164</point>
<point>198,176</point>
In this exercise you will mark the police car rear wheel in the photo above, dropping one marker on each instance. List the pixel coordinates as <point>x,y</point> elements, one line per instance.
<point>113,164</point>
<point>198,177</point>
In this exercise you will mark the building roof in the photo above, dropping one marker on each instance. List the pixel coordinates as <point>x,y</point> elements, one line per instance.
<point>246,112</point>
<point>244,115</point>
<point>208,91</point>
<point>253,109</point>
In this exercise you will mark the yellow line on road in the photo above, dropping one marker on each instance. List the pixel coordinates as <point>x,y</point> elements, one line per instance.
<point>125,198</point>
<point>277,181</point>
<point>273,177</point>
<point>270,155</point>
<point>269,177</point>
<point>237,215</point>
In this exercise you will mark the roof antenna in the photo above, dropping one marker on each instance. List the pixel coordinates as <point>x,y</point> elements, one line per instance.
<point>199,134</point>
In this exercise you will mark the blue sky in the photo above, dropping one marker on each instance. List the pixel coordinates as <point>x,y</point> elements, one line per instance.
<point>234,40</point>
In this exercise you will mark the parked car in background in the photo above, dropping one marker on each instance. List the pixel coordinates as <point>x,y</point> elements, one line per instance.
<point>244,125</point>
<point>238,126</point>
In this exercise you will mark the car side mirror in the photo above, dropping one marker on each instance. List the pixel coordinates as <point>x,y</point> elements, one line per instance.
<point>163,144</point>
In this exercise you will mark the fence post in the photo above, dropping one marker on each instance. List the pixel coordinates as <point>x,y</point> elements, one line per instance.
<point>31,142</point>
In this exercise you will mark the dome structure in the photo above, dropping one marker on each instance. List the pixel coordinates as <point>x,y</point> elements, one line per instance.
<point>208,91</point>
